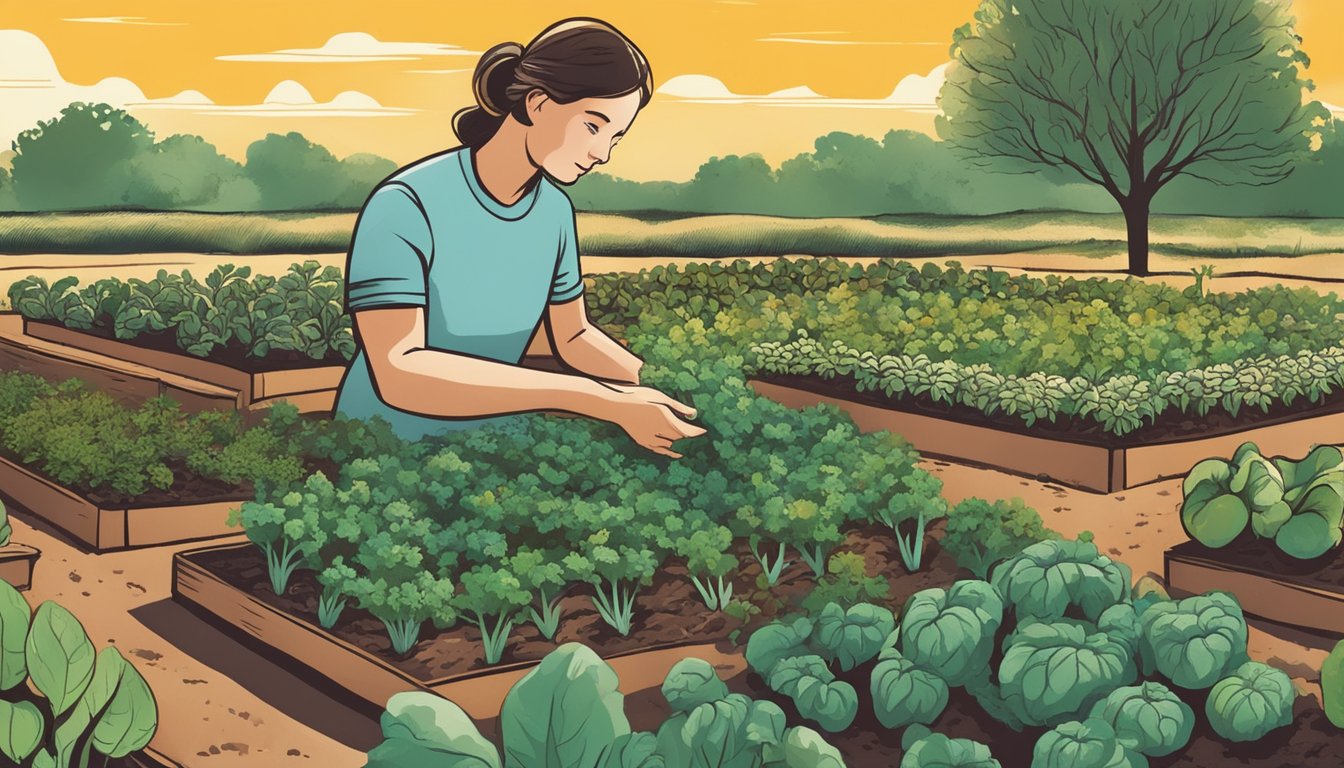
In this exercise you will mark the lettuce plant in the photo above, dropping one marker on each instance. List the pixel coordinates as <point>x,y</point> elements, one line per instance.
<point>815,692</point>
<point>951,632</point>
<point>854,635</point>
<point>934,750</point>
<point>1048,579</point>
<point>1147,718</point>
<point>1054,672</point>
<point>1194,642</point>
<point>903,693</point>
<point>1249,703</point>
<point>60,703</point>
<point>1087,743</point>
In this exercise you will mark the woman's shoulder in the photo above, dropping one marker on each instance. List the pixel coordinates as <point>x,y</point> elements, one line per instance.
<point>428,171</point>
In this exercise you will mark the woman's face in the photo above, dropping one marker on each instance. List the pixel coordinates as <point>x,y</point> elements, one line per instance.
<point>567,140</point>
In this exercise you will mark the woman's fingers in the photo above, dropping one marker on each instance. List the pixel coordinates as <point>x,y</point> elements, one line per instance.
<point>686,411</point>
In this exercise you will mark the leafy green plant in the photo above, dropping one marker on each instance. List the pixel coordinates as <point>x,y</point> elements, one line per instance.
<point>853,635</point>
<point>708,725</point>
<point>1087,743</point>
<point>903,693</point>
<point>951,631</point>
<point>1252,701</point>
<point>814,690</point>
<point>846,583</point>
<point>924,749</point>
<point>61,702</point>
<point>6,530</point>
<point>981,533</point>
<point>491,593</point>
<point>1194,642</point>
<point>1048,579</point>
<point>1033,677</point>
<point>1332,685</point>
<point>1147,718</point>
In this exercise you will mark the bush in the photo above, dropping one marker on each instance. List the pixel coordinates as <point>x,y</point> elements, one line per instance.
<point>981,533</point>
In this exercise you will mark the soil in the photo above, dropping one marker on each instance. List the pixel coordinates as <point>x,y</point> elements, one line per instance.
<point>1171,425</point>
<point>1252,555</point>
<point>1309,742</point>
<point>233,354</point>
<point>669,611</point>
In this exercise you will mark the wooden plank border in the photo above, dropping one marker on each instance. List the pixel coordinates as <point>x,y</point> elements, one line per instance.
<point>311,388</point>
<point>1263,594</point>
<point>1076,464</point>
<point>16,564</point>
<point>106,529</point>
<point>368,681</point>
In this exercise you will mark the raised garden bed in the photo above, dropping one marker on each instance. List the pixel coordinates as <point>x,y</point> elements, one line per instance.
<point>309,384</point>
<point>228,584</point>
<point>16,564</point>
<point>1089,461</point>
<point>127,382</point>
<point>1267,582</point>
<point>107,525</point>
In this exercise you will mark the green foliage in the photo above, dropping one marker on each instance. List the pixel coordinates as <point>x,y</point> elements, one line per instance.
<point>951,631</point>
<point>852,636</point>
<point>1055,672</point>
<point>1194,642</point>
<point>6,530</point>
<point>568,711</point>
<point>904,694</point>
<point>776,641</point>
<point>934,750</point>
<point>846,583</point>
<point>981,533</point>
<point>1050,579</point>
<point>1252,701</point>
<point>75,703</point>
<point>1332,685</point>
<point>301,311</point>
<point>1147,718</point>
<point>815,691</point>
<point>1087,743</point>
<point>91,443</point>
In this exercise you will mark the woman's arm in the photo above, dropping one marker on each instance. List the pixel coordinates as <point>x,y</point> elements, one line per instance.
<point>585,347</point>
<point>434,382</point>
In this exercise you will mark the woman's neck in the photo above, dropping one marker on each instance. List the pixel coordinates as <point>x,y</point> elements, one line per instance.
<point>503,163</point>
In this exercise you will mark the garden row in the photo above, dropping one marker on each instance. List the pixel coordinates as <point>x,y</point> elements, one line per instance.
<point>1095,383</point>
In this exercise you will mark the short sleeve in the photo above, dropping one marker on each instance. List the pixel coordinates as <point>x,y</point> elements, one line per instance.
<point>390,251</point>
<point>568,282</point>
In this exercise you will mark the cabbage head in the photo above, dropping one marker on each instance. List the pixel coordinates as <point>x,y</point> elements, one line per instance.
<point>852,636</point>
<point>1052,673</point>
<point>1050,577</point>
<point>1083,744</point>
<point>1147,718</point>
<point>1196,641</point>
<point>778,640</point>
<point>951,632</point>
<point>1251,702</point>
<point>904,694</point>
<point>1210,512</point>
<point>934,750</point>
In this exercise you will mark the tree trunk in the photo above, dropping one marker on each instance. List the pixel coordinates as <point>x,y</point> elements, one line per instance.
<point>1136,224</point>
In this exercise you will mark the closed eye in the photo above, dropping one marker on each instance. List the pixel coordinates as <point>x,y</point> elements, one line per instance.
<point>593,127</point>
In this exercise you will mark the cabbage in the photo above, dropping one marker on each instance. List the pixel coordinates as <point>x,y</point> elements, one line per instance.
<point>565,711</point>
<point>1083,744</point>
<point>1196,641</point>
<point>1055,672</point>
<point>776,641</point>
<point>1251,702</point>
<point>951,632</point>
<point>905,694</point>
<point>855,635</point>
<point>422,730</point>
<point>1210,512</point>
<point>815,691</point>
<point>1050,577</point>
<point>690,683</point>
<point>730,732</point>
<point>1147,718</point>
<point>803,747</point>
<point>1315,525</point>
<point>934,750</point>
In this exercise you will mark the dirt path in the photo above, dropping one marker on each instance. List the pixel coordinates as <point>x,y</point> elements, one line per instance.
<point>219,703</point>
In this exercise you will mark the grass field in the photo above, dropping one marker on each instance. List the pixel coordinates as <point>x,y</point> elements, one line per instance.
<point>715,236</point>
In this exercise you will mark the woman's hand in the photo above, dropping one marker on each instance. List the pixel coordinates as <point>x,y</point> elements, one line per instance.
<point>649,417</point>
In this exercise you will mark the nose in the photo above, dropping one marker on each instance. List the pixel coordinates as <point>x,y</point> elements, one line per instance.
<point>601,157</point>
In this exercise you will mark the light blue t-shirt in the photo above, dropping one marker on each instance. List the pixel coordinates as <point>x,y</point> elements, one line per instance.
<point>430,235</point>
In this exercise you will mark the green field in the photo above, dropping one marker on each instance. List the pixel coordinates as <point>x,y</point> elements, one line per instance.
<point>713,236</point>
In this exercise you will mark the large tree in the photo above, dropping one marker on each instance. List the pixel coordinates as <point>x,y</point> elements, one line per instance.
<point>1130,94</point>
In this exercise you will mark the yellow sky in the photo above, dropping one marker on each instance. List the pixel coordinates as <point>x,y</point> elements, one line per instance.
<point>851,55</point>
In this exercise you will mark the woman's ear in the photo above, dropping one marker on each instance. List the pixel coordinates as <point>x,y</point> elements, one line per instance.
<point>535,98</point>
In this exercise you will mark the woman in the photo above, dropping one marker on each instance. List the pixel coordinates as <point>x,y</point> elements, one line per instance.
<point>459,256</point>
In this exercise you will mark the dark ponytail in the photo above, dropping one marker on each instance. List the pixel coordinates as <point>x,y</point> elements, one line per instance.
<point>572,59</point>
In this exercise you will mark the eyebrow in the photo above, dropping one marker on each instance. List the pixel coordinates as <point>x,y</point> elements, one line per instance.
<point>604,117</point>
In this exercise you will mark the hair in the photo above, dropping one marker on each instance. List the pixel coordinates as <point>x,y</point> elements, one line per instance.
<point>572,59</point>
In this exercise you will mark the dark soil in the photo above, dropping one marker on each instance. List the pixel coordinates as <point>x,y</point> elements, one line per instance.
<point>233,354</point>
<point>1171,425</point>
<point>1260,556</point>
<point>668,611</point>
<point>1309,742</point>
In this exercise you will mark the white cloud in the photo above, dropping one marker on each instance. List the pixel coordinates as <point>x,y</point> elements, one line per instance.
<point>355,46</point>
<point>127,20</point>
<point>32,89</point>
<point>1335,108</point>
<point>917,93</point>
